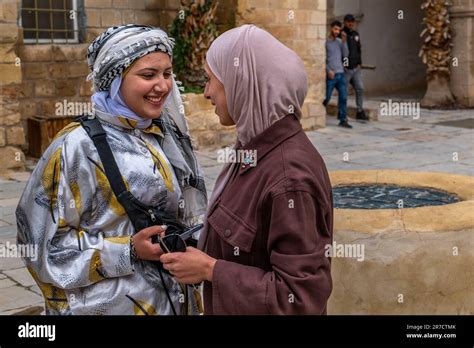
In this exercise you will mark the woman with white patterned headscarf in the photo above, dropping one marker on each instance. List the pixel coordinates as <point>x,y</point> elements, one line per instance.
<point>91,260</point>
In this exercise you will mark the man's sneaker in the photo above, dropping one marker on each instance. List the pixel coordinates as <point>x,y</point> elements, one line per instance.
<point>361,116</point>
<point>344,124</point>
<point>325,103</point>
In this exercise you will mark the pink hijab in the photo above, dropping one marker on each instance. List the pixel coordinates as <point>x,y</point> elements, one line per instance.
<point>263,80</point>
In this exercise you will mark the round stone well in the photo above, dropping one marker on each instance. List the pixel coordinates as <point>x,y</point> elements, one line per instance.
<point>388,258</point>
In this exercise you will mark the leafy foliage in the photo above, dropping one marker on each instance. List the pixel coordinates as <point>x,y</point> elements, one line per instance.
<point>193,29</point>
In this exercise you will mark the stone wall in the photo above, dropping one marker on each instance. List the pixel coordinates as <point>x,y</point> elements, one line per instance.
<point>102,14</point>
<point>56,74</point>
<point>52,74</point>
<point>12,137</point>
<point>204,125</point>
<point>225,14</point>
<point>301,25</point>
<point>462,76</point>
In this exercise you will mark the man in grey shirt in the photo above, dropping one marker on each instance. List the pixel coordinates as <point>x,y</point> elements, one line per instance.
<point>336,51</point>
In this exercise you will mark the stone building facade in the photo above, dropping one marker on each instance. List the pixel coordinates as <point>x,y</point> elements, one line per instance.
<point>38,79</point>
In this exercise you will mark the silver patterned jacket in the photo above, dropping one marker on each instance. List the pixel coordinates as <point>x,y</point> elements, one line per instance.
<point>82,232</point>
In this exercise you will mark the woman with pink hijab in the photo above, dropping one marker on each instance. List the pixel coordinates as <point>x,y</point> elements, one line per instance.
<point>270,217</point>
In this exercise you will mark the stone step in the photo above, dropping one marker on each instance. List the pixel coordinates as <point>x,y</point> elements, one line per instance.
<point>371,109</point>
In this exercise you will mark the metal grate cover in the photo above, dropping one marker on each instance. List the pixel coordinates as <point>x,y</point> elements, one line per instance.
<point>388,197</point>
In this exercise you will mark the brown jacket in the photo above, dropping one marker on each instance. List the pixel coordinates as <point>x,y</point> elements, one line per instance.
<point>269,228</point>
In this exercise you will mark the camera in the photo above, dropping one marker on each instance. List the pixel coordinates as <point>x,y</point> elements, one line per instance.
<point>177,237</point>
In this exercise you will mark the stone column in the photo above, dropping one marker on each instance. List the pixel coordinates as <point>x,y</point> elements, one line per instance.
<point>301,25</point>
<point>12,136</point>
<point>462,76</point>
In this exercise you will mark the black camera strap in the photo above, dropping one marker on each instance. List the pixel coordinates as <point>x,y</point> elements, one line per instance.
<point>96,132</point>
<point>139,213</point>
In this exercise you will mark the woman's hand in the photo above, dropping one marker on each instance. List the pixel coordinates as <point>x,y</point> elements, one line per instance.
<point>145,249</point>
<point>190,267</point>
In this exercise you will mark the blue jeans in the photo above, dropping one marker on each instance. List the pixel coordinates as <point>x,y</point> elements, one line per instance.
<point>354,77</point>
<point>339,81</point>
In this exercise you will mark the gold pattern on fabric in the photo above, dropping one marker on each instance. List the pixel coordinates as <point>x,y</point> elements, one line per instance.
<point>198,298</point>
<point>162,166</point>
<point>154,129</point>
<point>67,129</point>
<point>95,264</point>
<point>128,123</point>
<point>50,178</point>
<point>109,196</point>
<point>62,223</point>
<point>55,298</point>
<point>76,193</point>
<point>148,308</point>
<point>118,240</point>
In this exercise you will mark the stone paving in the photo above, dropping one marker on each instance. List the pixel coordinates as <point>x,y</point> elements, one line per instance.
<point>390,143</point>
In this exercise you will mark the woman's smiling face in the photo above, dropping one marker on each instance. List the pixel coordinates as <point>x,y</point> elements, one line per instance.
<point>147,85</point>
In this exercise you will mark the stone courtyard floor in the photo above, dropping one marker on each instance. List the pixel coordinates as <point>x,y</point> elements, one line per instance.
<point>389,143</point>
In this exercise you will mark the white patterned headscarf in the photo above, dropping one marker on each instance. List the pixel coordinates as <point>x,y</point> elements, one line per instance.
<point>118,47</point>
